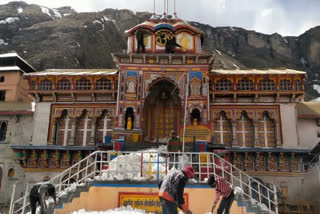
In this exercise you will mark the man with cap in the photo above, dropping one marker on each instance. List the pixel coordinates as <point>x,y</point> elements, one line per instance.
<point>172,188</point>
<point>223,189</point>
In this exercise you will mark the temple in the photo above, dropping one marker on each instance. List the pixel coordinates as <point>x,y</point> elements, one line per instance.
<point>164,82</point>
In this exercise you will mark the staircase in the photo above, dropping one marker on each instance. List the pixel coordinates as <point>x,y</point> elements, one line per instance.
<point>152,165</point>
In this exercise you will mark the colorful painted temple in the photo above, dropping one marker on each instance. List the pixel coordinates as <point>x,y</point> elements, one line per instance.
<point>167,82</point>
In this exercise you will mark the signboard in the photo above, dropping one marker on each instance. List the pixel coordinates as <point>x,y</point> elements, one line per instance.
<point>143,201</point>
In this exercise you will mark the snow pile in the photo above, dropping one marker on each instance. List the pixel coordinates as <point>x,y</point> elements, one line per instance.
<point>128,166</point>
<point>317,88</point>
<point>124,210</point>
<point>99,22</point>
<point>218,51</point>
<point>263,207</point>
<point>238,191</point>
<point>9,20</point>
<point>20,10</point>
<point>47,11</point>
<point>2,42</point>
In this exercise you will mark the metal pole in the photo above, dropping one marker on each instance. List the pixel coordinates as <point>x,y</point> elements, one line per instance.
<point>12,198</point>
<point>185,111</point>
<point>25,199</point>
<point>275,199</point>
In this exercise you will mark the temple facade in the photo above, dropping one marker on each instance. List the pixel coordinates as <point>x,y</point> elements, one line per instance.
<point>167,82</point>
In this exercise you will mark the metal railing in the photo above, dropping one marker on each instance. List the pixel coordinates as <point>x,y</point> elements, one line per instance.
<point>152,166</point>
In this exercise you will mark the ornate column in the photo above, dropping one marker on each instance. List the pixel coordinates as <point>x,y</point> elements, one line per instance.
<point>72,140</point>
<point>93,131</point>
<point>255,133</point>
<point>54,131</point>
<point>276,133</point>
<point>234,133</point>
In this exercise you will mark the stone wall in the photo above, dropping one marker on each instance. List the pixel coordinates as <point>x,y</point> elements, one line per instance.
<point>41,124</point>
<point>289,125</point>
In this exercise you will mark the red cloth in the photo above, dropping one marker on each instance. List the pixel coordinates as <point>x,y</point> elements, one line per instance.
<point>222,187</point>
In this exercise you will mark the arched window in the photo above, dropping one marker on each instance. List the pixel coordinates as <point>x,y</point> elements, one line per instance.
<point>129,118</point>
<point>223,85</point>
<point>244,131</point>
<point>63,129</point>
<point>210,85</point>
<point>11,173</point>
<point>266,85</point>
<point>3,130</point>
<point>245,85</point>
<point>104,126</point>
<point>222,133</point>
<point>266,131</point>
<point>131,86</point>
<point>297,85</point>
<point>83,84</point>
<point>83,129</point>
<point>45,85</point>
<point>33,85</point>
<point>195,87</point>
<point>195,117</point>
<point>285,85</point>
<point>63,84</point>
<point>103,84</point>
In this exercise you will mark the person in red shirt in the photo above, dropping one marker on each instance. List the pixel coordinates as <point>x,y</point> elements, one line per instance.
<point>222,189</point>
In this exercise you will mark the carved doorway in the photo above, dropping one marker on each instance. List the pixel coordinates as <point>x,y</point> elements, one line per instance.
<point>162,111</point>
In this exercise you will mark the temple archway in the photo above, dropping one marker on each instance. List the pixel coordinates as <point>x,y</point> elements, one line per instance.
<point>162,110</point>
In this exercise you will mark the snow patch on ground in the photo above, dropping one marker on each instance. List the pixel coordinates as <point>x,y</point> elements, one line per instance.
<point>235,66</point>
<point>317,88</point>
<point>2,42</point>
<point>99,22</point>
<point>218,51</point>
<point>46,10</point>
<point>20,10</point>
<point>286,41</point>
<point>9,20</point>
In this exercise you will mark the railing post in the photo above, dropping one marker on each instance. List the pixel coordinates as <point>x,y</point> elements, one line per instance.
<point>95,165</point>
<point>25,199</point>
<point>12,198</point>
<point>231,175</point>
<point>269,201</point>
<point>86,172</point>
<point>100,164</point>
<point>241,185</point>
<point>259,192</point>
<point>275,199</point>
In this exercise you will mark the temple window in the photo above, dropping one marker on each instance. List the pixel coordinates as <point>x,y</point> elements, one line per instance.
<point>297,85</point>
<point>3,130</point>
<point>104,127</point>
<point>266,85</point>
<point>2,79</point>
<point>195,117</point>
<point>222,133</point>
<point>83,84</point>
<point>33,85</point>
<point>2,95</point>
<point>223,85</point>
<point>195,87</point>
<point>210,85</point>
<point>285,85</point>
<point>63,84</point>
<point>129,119</point>
<point>64,129</point>
<point>245,85</point>
<point>131,86</point>
<point>103,84</point>
<point>266,131</point>
<point>83,129</point>
<point>45,85</point>
<point>244,131</point>
<point>11,173</point>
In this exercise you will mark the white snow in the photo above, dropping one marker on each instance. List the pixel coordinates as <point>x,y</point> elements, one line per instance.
<point>66,14</point>
<point>9,20</point>
<point>317,88</point>
<point>233,29</point>
<point>77,61</point>
<point>238,191</point>
<point>286,41</point>
<point>218,52</point>
<point>20,10</point>
<point>303,61</point>
<point>10,68</point>
<point>85,26</point>
<point>235,66</point>
<point>2,42</point>
<point>99,22</point>
<point>46,10</point>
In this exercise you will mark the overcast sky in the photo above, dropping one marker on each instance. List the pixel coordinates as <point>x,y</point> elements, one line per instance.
<point>287,17</point>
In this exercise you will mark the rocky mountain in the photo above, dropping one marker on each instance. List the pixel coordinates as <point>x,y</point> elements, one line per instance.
<point>63,38</point>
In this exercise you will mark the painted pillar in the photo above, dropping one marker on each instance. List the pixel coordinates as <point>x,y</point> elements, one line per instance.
<point>93,131</point>
<point>54,131</point>
<point>276,126</point>
<point>255,130</point>
<point>234,133</point>
<point>73,131</point>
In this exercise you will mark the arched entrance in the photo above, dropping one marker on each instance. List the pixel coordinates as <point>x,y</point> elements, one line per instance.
<point>162,110</point>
